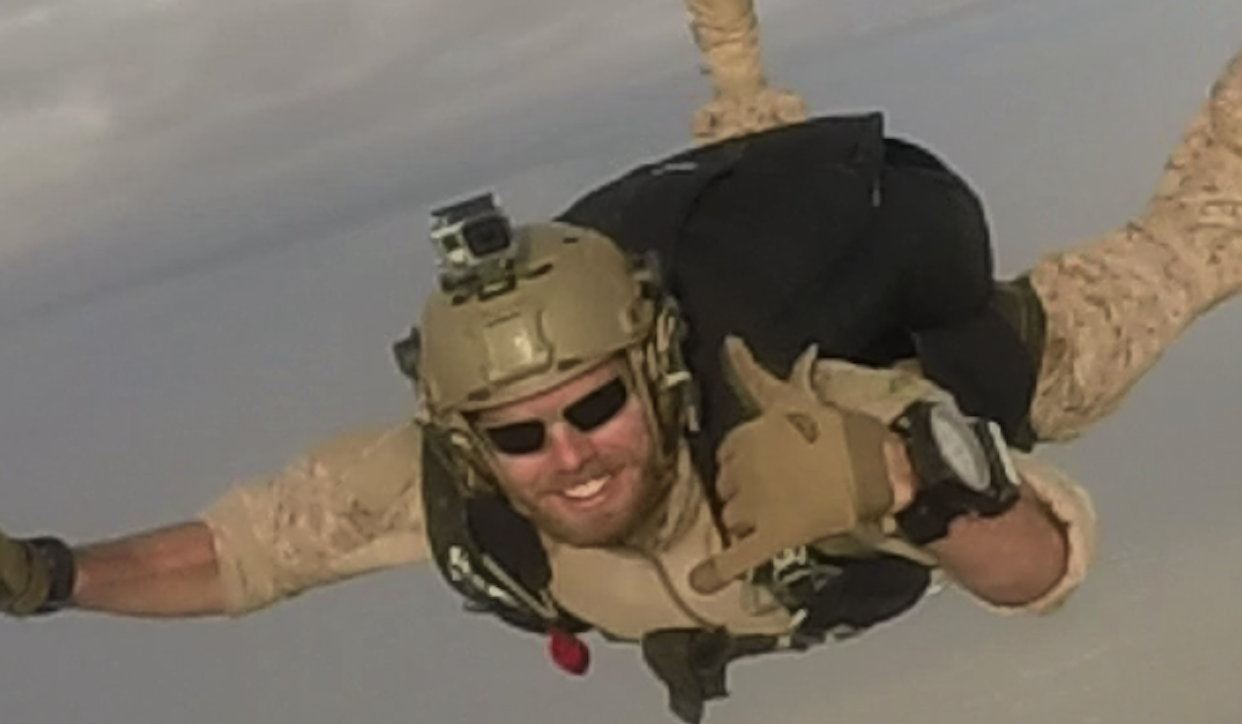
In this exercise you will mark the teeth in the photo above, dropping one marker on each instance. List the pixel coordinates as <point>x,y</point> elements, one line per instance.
<point>587,489</point>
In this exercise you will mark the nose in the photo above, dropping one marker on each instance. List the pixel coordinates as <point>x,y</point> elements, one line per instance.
<point>568,448</point>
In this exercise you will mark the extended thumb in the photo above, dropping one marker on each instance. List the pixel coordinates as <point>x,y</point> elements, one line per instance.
<point>756,387</point>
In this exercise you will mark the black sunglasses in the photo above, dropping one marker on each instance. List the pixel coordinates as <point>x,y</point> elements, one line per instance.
<point>586,413</point>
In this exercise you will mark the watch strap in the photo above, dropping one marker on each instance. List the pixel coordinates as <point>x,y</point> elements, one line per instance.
<point>927,518</point>
<point>61,564</point>
<point>941,498</point>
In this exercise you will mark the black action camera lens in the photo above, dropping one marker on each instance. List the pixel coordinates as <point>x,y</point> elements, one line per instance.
<point>485,237</point>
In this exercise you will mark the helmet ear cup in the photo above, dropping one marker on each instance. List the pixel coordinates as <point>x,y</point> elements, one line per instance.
<point>673,394</point>
<point>667,387</point>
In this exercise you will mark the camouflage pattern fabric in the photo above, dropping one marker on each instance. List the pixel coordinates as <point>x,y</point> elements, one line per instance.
<point>1115,304</point>
<point>727,34</point>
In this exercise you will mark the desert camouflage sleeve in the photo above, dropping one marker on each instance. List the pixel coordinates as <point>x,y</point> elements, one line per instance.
<point>884,393</point>
<point>727,35</point>
<point>348,507</point>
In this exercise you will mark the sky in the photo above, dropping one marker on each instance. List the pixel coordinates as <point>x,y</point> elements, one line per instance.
<point>212,220</point>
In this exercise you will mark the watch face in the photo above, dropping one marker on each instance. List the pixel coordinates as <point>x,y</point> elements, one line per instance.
<point>960,448</point>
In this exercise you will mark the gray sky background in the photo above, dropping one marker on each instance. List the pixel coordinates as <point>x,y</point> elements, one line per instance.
<point>211,228</point>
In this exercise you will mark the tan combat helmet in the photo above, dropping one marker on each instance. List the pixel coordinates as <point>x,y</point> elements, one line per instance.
<point>521,309</point>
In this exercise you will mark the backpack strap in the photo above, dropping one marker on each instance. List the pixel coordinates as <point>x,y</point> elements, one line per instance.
<point>487,552</point>
<point>839,597</point>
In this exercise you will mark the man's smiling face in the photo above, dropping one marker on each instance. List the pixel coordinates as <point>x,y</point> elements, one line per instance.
<point>576,459</point>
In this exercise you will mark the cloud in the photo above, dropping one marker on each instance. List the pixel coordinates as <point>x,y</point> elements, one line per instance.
<point>101,95</point>
<point>138,137</point>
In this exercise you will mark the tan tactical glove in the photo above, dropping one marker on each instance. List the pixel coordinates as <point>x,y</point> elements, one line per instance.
<point>799,472</point>
<point>25,581</point>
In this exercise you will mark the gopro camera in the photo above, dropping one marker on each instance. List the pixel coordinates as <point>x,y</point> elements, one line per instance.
<point>475,243</point>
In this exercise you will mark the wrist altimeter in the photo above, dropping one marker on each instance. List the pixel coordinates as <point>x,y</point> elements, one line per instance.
<point>962,467</point>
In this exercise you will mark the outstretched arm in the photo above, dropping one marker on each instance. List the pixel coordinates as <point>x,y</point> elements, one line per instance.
<point>349,507</point>
<point>170,571</point>
<point>165,572</point>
